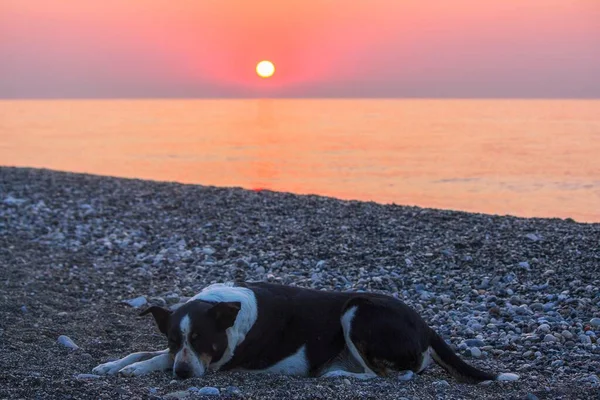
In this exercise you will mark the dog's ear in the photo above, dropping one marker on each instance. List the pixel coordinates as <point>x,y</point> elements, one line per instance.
<point>161,316</point>
<point>225,313</point>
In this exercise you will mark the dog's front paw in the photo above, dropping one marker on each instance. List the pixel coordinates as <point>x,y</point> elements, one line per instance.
<point>136,369</point>
<point>109,368</point>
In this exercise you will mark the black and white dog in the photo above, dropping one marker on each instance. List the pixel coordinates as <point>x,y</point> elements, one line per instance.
<point>272,328</point>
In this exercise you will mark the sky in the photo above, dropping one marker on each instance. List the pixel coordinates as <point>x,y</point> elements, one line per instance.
<point>320,48</point>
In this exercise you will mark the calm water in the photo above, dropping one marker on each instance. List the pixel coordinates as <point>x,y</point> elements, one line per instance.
<point>527,158</point>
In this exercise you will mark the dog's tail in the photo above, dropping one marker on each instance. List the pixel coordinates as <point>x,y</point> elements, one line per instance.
<point>447,359</point>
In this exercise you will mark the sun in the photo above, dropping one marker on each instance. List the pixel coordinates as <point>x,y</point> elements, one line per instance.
<point>265,69</point>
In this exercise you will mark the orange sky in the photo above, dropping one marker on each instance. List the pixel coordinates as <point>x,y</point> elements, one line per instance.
<point>357,48</point>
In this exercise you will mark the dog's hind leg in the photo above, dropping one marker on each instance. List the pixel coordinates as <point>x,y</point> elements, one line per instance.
<point>355,353</point>
<point>112,367</point>
<point>383,337</point>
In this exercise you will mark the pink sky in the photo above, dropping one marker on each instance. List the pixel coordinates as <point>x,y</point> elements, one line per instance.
<point>326,48</point>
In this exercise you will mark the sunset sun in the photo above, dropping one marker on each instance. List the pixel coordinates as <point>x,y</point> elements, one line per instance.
<point>265,69</point>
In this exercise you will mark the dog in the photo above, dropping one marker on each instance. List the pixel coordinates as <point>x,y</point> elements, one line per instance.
<point>272,328</point>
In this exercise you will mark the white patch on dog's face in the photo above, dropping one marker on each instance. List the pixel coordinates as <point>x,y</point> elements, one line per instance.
<point>223,292</point>
<point>187,363</point>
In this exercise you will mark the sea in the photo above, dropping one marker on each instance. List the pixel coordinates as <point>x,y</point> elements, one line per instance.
<point>528,158</point>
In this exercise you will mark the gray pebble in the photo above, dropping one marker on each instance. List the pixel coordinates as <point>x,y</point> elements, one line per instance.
<point>474,343</point>
<point>566,334</point>
<point>525,265</point>
<point>441,384</point>
<point>557,363</point>
<point>137,302</point>
<point>234,391</point>
<point>537,307</point>
<point>67,342</point>
<point>209,251</point>
<point>406,376</point>
<point>585,339</point>
<point>87,376</point>
<point>544,328</point>
<point>205,391</point>
<point>595,322</point>
<point>550,338</point>
<point>531,396</point>
<point>475,352</point>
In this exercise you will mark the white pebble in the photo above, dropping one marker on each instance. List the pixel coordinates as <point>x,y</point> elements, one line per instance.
<point>67,342</point>
<point>137,302</point>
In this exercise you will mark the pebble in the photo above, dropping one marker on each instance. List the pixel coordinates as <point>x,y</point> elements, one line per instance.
<point>566,334</point>
<point>585,339</point>
<point>550,338</point>
<point>595,322</point>
<point>441,384</point>
<point>87,376</point>
<point>531,396</point>
<point>406,376</point>
<point>205,391</point>
<point>544,328</point>
<point>347,381</point>
<point>474,342</point>
<point>67,342</point>
<point>475,352</point>
<point>24,309</point>
<point>235,391</point>
<point>137,302</point>
<point>557,363</point>
<point>525,265</point>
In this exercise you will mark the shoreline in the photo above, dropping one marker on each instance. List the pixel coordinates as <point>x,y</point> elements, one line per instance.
<point>523,291</point>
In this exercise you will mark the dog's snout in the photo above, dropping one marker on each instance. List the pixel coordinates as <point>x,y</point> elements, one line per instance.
<point>183,370</point>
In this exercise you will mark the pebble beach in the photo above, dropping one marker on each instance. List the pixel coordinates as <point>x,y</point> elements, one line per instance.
<point>82,255</point>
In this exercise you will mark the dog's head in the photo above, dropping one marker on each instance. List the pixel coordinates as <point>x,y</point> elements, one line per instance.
<point>196,332</point>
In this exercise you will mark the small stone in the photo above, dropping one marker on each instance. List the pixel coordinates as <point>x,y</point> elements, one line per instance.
<point>475,352</point>
<point>321,264</point>
<point>152,390</point>
<point>550,338</point>
<point>525,265</point>
<point>205,391</point>
<point>441,384</point>
<point>557,363</point>
<point>137,302</point>
<point>172,298</point>
<point>592,379</point>
<point>24,309</point>
<point>12,201</point>
<point>260,270</point>
<point>566,334</point>
<point>406,376</point>
<point>87,376</point>
<point>62,314</point>
<point>531,396</point>
<point>595,322</point>
<point>67,342</point>
<point>533,237</point>
<point>544,328</point>
<point>209,251</point>
<point>232,391</point>
<point>537,307</point>
<point>585,339</point>
<point>181,394</point>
